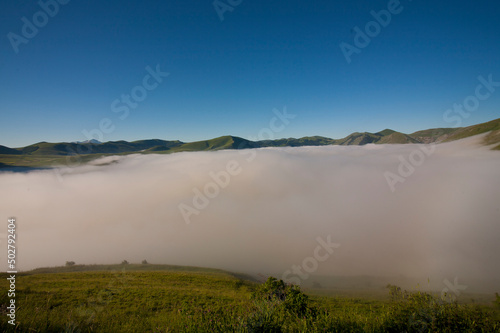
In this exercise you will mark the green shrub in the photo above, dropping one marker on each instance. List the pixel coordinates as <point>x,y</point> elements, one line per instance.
<point>288,297</point>
<point>136,300</point>
<point>422,312</point>
<point>496,302</point>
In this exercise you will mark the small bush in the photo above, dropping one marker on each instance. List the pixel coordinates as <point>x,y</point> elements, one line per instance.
<point>124,262</point>
<point>422,312</point>
<point>395,292</point>
<point>277,305</point>
<point>497,301</point>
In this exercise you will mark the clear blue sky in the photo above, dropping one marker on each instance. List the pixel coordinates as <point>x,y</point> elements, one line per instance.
<point>227,76</point>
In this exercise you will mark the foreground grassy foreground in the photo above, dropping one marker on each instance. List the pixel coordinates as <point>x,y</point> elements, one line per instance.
<point>154,298</point>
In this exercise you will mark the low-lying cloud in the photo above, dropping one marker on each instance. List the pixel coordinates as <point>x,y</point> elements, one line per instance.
<point>442,221</point>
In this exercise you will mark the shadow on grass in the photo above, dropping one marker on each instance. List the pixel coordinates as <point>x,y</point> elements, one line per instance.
<point>23,169</point>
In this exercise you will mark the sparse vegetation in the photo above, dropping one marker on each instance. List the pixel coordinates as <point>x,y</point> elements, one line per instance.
<point>497,301</point>
<point>156,298</point>
<point>70,263</point>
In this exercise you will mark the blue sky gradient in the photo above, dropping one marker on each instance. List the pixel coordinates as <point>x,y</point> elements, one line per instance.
<point>226,76</point>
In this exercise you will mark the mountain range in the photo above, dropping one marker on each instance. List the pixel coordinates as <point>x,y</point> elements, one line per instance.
<point>45,153</point>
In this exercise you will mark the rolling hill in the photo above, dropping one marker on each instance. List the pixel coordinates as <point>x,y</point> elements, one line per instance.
<point>43,154</point>
<point>492,138</point>
<point>165,298</point>
<point>9,151</point>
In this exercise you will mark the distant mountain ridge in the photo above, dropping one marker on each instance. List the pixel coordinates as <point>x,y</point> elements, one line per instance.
<point>387,136</point>
<point>94,141</point>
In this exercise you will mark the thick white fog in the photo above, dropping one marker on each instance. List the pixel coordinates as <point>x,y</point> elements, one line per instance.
<point>442,221</point>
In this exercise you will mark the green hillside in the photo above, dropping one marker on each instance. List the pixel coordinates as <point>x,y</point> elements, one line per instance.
<point>434,134</point>
<point>111,147</point>
<point>359,139</point>
<point>384,137</point>
<point>466,132</point>
<point>492,139</point>
<point>385,132</point>
<point>292,142</point>
<point>9,151</point>
<point>397,138</point>
<point>46,154</point>
<point>223,142</point>
<point>157,149</point>
<point>162,298</point>
<point>128,267</point>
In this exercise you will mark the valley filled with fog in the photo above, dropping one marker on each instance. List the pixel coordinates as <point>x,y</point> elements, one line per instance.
<point>392,210</point>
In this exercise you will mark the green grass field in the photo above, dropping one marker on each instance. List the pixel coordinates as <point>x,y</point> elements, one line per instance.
<point>160,298</point>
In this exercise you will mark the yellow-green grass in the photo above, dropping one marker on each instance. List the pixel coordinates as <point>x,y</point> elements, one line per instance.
<point>160,298</point>
<point>121,299</point>
<point>466,132</point>
<point>44,161</point>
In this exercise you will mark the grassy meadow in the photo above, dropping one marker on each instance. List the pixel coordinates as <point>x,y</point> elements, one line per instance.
<point>159,298</point>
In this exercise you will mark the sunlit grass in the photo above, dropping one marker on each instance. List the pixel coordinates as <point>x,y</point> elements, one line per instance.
<point>155,298</point>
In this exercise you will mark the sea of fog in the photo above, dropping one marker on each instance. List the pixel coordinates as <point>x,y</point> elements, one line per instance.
<point>429,212</point>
